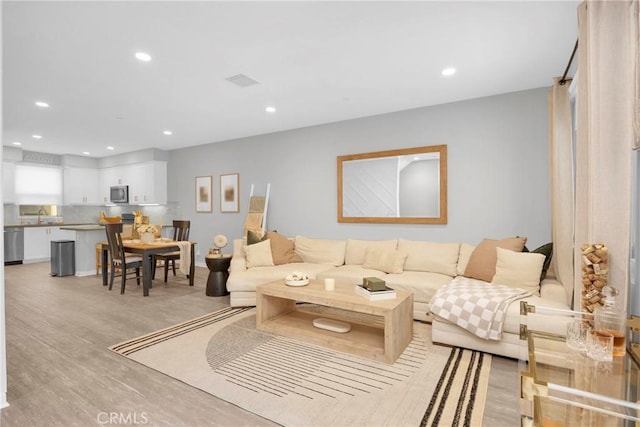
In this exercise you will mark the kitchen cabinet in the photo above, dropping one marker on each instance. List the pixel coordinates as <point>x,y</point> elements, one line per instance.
<point>37,242</point>
<point>8,182</point>
<point>147,182</point>
<point>81,186</point>
<point>106,178</point>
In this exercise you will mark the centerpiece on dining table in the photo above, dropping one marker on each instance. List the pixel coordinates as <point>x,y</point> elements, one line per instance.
<point>147,232</point>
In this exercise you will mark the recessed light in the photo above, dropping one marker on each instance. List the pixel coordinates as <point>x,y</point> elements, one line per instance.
<point>42,104</point>
<point>270,109</point>
<point>86,153</point>
<point>167,132</point>
<point>143,56</point>
<point>448,71</point>
<point>109,148</point>
<point>36,136</point>
<point>16,143</point>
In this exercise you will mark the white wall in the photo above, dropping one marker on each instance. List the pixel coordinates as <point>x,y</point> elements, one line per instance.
<point>498,183</point>
<point>3,335</point>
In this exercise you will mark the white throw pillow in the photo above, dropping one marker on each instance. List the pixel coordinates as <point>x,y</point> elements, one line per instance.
<point>320,251</point>
<point>463,259</point>
<point>431,257</point>
<point>259,254</point>
<point>519,270</point>
<point>356,249</point>
<point>389,261</point>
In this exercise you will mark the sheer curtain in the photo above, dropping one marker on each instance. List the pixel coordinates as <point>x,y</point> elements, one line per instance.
<point>606,92</point>
<point>562,183</point>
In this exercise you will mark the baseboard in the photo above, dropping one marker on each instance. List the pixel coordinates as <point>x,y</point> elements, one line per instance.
<point>3,400</point>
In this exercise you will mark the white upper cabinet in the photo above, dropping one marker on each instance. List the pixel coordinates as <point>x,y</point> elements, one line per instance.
<point>8,182</point>
<point>147,182</point>
<point>81,186</point>
<point>108,177</point>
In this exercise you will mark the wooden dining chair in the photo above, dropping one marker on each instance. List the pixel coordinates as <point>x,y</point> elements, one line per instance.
<point>120,260</point>
<point>180,233</point>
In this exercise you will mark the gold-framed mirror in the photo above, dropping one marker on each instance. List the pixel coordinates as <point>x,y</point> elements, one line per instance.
<point>404,186</point>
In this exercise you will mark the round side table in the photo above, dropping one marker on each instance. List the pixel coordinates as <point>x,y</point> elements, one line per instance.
<point>218,274</point>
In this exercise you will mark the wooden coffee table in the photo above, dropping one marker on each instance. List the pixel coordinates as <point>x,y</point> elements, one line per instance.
<point>381,340</point>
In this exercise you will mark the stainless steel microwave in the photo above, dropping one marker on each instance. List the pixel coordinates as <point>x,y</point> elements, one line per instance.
<point>119,194</point>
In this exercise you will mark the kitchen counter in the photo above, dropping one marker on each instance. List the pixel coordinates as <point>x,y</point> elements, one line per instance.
<point>53,224</point>
<point>83,227</point>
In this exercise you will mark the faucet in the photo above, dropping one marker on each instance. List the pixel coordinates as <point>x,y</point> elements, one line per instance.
<point>40,212</point>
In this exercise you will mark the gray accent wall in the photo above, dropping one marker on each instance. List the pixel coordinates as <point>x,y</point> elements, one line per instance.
<point>498,174</point>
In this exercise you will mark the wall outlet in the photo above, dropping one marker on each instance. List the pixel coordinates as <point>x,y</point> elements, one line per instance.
<point>197,252</point>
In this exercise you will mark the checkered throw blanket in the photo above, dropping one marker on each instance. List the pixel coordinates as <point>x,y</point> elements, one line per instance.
<point>475,305</point>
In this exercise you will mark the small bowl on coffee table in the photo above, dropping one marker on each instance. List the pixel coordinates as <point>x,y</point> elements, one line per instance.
<point>296,279</point>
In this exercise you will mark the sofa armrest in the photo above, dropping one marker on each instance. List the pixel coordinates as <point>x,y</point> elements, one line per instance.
<point>551,289</point>
<point>239,261</point>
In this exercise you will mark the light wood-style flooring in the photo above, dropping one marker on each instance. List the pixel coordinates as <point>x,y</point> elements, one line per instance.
<point>60,372</point>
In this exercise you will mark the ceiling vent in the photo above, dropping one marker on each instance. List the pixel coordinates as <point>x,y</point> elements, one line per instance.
<point>241,80</point>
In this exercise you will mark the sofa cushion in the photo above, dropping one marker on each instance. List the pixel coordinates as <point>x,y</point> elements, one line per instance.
<point>482,263</point>
<point>428,256</point>
<point>423,284</point>
<point>387,260</point>
<point>519,270</point>
<point>463,258</point>
<point>259,254</point>
<point>247,280</point>
<point>282,249</point>
<point>350,274</point>
<point>321,251</point>
<point>537,321</point>
<point>356,249</point>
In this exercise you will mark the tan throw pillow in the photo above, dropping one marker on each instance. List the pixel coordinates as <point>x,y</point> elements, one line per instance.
<point>389,261</point>
<point>519,270</point>
<point>482,262</point>
<point>259,254</point>
<point>282,249</point>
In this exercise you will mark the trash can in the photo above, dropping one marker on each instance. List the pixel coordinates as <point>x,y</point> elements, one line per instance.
<point>63,257</point>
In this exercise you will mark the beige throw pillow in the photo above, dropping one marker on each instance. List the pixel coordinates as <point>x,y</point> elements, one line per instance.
<point>259,254</point>
<point>321,251</point>
<point>482,262</point>
<point>432,257</point>
<point>281,249</point>
<point>389,261</point>
<point>519,270</point>
<point>463,258</point>
<point>356,249</point>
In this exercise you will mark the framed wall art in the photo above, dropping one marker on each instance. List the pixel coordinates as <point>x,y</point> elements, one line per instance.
<point>204,195</point>
<point>229,193</point>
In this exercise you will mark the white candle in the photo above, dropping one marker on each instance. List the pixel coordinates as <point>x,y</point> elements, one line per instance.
<point>329,284</point>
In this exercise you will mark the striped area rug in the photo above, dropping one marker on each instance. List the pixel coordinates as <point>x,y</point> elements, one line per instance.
<point>297,384</point>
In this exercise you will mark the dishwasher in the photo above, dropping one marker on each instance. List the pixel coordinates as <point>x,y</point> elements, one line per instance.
<point>13,245</point>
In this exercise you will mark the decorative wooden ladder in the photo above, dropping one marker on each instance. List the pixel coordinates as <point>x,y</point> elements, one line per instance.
<point>257,213</point>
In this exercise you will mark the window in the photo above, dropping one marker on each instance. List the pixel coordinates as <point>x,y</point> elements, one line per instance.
<point>38,185</point>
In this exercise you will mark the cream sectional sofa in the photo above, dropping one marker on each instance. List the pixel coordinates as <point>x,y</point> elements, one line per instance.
<point>427,267</point>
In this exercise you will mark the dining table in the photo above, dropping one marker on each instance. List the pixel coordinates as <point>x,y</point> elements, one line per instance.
<point>147,252</point>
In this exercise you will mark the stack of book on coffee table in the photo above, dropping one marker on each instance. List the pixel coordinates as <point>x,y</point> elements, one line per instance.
<point>375,289</point>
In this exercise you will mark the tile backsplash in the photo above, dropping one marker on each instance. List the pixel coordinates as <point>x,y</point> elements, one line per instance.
<point>13,214</point>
